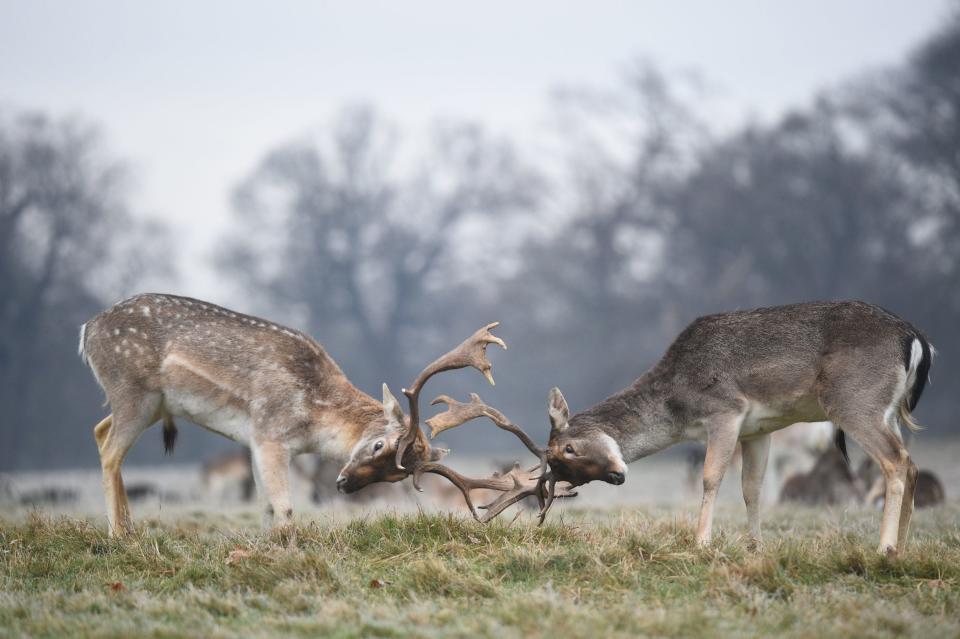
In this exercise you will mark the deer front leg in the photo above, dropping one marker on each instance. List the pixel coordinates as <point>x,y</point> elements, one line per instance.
<point>755,454</point>
<point>271,470</point>
<point>722,435</point>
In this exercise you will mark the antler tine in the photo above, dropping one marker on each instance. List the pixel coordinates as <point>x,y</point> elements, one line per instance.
<point>458,413</point>
<point>526,485</point>
<point>470,352</point>
<point>465,484</point>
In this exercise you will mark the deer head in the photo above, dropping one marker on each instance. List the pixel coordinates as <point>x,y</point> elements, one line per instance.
<point>584,454</point>
<point>397,448</point>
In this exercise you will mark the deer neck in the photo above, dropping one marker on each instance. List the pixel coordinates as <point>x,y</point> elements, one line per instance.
<point>339,419</point>
<point>636,418</point>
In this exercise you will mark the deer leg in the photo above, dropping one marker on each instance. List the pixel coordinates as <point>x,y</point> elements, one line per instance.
<point>755,453</point>
<point>886,449</point>
<point>271,465</point>
<point>906,507</point>
<point>722,435</point>
<point>115,435</point>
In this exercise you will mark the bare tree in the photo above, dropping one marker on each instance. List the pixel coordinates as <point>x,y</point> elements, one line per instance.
<point>595,277</point>
<point>66,241</point>
<point>366,247</point>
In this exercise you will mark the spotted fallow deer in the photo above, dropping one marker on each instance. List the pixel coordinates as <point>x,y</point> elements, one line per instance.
<point>740,376</point>
<point>276,390</point>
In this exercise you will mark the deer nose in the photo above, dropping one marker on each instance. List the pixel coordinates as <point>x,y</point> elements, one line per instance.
<point>341,483</point>
<point>615,477</point>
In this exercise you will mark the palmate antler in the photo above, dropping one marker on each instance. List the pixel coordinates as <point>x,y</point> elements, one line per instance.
<point>514,485</point>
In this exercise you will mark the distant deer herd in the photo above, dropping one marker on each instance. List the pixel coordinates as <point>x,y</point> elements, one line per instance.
<point>732,381</point>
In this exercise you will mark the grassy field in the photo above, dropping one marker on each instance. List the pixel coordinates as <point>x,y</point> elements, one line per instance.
<point>585,574</point>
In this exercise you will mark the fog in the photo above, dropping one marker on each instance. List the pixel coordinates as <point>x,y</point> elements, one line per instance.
<point>389,179</point>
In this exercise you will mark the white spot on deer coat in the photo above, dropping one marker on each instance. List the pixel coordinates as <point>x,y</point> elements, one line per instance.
<point>146,311</point>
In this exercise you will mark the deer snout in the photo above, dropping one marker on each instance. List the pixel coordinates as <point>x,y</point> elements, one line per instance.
<point>341,483</point>
<point>616,477</point>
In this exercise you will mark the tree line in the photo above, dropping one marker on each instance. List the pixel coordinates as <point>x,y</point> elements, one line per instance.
<point>594,254</point>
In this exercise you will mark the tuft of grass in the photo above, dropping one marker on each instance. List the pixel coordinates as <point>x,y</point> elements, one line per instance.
<point>585,574</point>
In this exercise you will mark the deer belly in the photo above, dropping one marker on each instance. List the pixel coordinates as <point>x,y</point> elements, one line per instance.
<point>202,410</point>
<point>766,417</point>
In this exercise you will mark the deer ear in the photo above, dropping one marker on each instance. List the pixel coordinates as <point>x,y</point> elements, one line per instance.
<point>436,454</point>
<point>557,408</point>
<point>391,408</point>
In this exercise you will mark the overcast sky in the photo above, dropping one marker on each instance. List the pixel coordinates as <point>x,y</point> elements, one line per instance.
<point>193,93</point>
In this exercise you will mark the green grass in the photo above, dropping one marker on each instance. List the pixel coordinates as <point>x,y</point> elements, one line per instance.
<point>584,575</point>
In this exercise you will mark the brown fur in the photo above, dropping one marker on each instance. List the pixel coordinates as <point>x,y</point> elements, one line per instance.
<point>265,385</point>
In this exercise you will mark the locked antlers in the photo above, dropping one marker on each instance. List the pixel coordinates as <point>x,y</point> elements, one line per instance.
<point>514,485</point>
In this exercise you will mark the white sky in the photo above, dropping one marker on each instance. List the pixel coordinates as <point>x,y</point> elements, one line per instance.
<point>193,93</point>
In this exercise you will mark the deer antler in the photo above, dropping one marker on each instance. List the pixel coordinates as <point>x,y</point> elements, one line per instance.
<point>471,352</point>
<point>458,413</point>
<point>514,485</point>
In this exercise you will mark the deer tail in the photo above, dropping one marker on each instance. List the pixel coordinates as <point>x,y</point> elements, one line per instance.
<point>169,433</point>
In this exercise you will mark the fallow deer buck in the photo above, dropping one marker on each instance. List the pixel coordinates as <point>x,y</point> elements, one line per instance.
<point>277,391</point>
<point>740,376</point>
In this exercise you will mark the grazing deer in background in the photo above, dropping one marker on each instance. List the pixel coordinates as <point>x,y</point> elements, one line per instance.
<point>829,483</point>
<point>229,475</point>
<point>273,389</point>
<point>740,376</point>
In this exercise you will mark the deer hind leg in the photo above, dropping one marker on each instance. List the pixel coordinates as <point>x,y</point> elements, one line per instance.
<point>271,470</point>
<point>722,435</point>
<point>886,448</point>
<point>115,435</point>
<point>755,454</point>
<point>906,508</point>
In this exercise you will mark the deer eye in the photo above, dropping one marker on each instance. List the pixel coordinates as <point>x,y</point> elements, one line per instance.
<point>378,446</point>
<point>569,449</point>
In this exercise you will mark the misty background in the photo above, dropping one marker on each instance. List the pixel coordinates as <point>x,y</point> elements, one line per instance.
<point>390,177</point>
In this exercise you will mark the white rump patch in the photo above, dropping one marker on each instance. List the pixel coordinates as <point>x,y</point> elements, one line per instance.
<point>916,354</point>
<point>80,351</point>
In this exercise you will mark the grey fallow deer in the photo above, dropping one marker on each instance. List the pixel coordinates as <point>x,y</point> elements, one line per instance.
<point>276,390</point>
<point>740,376</point>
